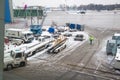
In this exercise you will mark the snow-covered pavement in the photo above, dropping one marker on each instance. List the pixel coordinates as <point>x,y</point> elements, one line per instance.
<point>71,45</point>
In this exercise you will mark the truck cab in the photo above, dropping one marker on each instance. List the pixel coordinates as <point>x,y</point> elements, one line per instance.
<point>116,37</point>
<point>111,47</point>
<point>15,58</point>
<point>27,36</point>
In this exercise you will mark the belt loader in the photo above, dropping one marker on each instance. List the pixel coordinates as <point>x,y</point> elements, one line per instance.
<point>58,45</point>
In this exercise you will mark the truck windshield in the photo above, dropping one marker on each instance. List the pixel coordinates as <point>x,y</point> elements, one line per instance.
<point>116,37</point>
<point>111,44</point>
<point>18,55</point>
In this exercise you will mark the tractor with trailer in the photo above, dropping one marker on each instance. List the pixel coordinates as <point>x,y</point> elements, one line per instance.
<point>18,56</point>
<point>58,45</point>
<point>19,36</point>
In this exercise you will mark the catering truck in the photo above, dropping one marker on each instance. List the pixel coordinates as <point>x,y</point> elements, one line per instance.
<point>19,35</point>
<point>15,58</point>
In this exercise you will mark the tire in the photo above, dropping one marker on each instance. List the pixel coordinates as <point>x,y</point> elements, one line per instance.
<point>22,42</point>
<point>9,67</point>
<point>22,64</point>
<point>33,52</point>
<point>107,53</point>
<point>58,50</point>
<point>65,46</point>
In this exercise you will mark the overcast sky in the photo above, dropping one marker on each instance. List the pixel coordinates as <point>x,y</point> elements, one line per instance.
<point>58,2</point>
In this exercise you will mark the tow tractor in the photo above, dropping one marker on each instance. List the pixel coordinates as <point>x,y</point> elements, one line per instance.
<point>58,45</point>
<point>15,58</point>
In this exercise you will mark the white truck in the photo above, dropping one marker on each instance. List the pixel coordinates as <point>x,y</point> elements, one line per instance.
<point>15,58</point>
<point>116,61</point>
<point>19,36</point>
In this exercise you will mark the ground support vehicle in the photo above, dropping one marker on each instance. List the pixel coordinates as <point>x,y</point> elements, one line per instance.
<point>36,29</point>
<point>57,46</point>
<point>75,27</point>
<point>15,58</point>
<point>18,36</point>
<point>111,47</point>
<point>67,34</point>
<point>79,37</point>
<point>37,48</point>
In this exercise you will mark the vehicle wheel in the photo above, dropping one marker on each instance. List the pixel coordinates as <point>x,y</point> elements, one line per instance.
<point>9,67</point>
<point>65,46</point>
<point>22,64</point>
<point>107,53</point>
<point>33,52</point>
<point>14,43</point>
<point>58,51</point>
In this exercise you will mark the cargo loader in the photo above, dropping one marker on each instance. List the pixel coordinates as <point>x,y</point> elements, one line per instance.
<point>58,45</point>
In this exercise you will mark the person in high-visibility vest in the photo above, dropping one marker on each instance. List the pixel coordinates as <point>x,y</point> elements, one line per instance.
<point>91,38</point>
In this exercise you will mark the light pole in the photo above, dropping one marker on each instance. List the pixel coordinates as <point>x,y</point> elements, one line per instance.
<point>1,37</point>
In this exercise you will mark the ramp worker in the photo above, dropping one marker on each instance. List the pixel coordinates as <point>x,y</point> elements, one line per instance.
<point>91,38</point>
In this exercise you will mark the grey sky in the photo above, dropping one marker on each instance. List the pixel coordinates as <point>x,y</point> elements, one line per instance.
<point>57,2</point>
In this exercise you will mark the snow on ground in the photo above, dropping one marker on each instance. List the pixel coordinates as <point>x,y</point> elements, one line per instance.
<point>101,55</point>
<point>71,45</point>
